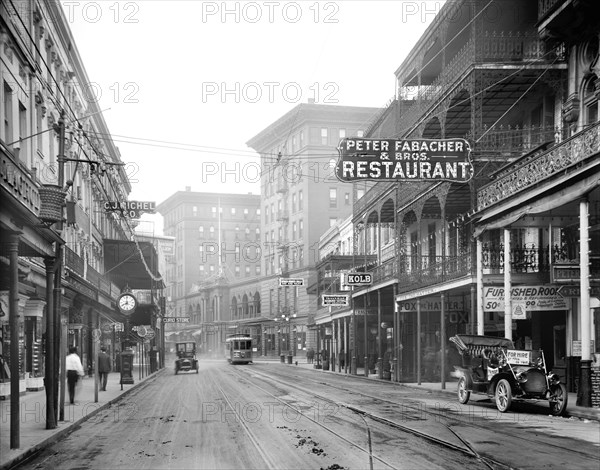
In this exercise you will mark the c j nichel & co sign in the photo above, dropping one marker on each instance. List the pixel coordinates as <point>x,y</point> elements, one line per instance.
<point>404,160</point>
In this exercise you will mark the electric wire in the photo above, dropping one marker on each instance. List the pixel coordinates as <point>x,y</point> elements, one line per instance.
<point>76,119</point>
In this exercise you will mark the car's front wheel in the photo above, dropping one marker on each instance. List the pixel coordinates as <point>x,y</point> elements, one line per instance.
<point>463,393</point>
<point>558,399</point>
<point>503,395</point>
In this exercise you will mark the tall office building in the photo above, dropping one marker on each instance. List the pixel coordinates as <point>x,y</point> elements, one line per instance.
<point>215,242</point>
<point>300,199</point>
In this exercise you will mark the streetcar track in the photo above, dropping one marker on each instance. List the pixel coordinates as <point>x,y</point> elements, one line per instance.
<point>456,420</point>
<point>466,450</point>
<point>249,433</point>
<point>318,423</point>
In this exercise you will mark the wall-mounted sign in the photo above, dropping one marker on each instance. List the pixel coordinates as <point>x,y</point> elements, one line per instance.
<point>535,298</point>
<point>290,281</point>
<point>575,291</point>
<point>404,160</point>
<point>19,184</point>
<point>451,304</point>
<point>176,319</point>
<point>359,279</point>
<point>334,300</point>
<point>131,209</point>
<point>576,348</point>
<point>565,274</point>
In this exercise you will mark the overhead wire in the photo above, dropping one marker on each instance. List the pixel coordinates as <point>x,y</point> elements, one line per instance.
<point>76,119</point>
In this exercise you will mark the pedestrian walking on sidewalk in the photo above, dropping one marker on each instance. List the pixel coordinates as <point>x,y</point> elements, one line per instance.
<point>74,370</point>
<point>103,367</point>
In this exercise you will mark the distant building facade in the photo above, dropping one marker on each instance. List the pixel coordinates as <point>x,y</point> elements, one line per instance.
<point>216,247</point>
<point>300,199</point>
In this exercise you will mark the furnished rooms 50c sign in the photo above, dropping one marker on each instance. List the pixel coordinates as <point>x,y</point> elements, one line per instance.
<point>535,298</point>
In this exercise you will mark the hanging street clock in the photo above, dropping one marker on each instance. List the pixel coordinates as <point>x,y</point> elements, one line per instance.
<point>127,303</point>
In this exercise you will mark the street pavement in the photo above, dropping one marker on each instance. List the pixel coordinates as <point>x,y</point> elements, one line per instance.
<point>34,436</point>
<point>428,387</point>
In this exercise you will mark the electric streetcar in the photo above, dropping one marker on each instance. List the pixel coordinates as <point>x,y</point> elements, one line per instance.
<point>238,349</point>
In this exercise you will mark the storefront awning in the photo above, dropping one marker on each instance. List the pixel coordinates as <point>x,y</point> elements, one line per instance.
<point>132,264</point>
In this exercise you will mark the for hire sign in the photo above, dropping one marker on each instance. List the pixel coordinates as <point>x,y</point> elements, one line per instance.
<point>404,160</point>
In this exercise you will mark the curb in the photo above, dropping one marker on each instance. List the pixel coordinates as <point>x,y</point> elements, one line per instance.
<point>33,451</point>
<point>580,412</point>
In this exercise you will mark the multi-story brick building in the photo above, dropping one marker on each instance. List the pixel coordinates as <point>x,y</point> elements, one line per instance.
<point>217,250</point>
<point>300,199</point>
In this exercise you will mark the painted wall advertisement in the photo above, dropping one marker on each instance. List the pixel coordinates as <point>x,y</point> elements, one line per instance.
<point>534,298</point>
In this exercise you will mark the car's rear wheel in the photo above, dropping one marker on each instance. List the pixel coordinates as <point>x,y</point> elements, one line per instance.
<point>503,395</point>
<point>559,399</point>
<point>463,393</point>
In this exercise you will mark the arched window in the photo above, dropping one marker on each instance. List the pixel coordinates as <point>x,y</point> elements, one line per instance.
<point>589,102</point>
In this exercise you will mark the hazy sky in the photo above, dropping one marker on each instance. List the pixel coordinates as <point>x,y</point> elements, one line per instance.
<point>188,83</point>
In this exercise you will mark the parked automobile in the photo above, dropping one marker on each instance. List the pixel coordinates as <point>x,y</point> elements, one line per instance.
<point>186,357</point>
<point>492,366</point>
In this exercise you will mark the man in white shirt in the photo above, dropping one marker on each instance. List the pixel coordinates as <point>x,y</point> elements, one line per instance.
<point>74,370</point>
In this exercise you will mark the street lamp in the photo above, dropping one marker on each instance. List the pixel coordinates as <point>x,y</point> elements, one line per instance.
<point>285,317</point>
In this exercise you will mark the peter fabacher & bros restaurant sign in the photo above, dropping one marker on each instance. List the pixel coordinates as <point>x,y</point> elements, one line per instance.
<point>404,160</point>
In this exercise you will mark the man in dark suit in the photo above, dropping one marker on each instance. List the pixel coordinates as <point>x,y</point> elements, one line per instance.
<point>103,367</point>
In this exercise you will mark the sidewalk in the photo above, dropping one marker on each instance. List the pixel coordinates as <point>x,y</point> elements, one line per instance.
<point>451,385</point>
<point>33,433</point>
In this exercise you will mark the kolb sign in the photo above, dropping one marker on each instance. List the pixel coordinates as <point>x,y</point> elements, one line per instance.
<point>359,279</point>
<point>404,160</point>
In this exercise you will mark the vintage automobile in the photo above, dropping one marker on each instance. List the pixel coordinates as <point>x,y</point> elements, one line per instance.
<point>186,357</point>
<point>492,366</point>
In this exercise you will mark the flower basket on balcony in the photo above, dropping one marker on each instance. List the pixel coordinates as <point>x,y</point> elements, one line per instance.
<point>52,199</point>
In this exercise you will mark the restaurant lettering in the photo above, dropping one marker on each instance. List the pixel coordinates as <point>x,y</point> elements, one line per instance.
<point>408,160</point>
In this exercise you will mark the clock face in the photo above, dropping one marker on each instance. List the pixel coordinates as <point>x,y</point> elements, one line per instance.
<point>127,303</point>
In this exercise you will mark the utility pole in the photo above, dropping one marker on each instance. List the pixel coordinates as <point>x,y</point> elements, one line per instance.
<point>53,321</point>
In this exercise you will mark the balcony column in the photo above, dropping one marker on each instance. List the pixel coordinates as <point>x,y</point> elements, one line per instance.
<point>479,303</point>
<point>50,340</point>
<point>584,397</point>
<point>341,346</point>
<point>396,337</point>
<point>379,337</point>
<point>366,335</point>
<point>419,341</point>
<point>346,344</point>
<point>472,328</point>
<point>13,320</point>
<point>379,241</point>
<point>507,286</point>
<point>443,342</point>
